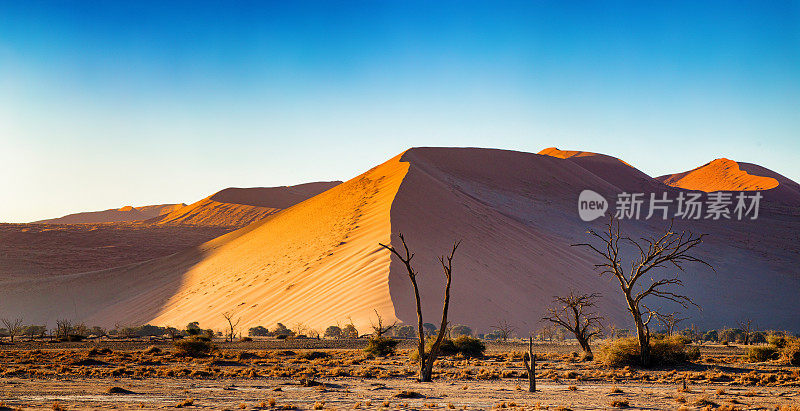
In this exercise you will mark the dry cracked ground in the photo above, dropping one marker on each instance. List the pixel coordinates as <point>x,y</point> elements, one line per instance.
<point>274,375</point>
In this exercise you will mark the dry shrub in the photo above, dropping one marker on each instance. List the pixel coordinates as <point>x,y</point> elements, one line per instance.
<point>761,354</point>
<point>57,406</point>
<point>615,390</point>
<point>703,401</point>
<point>791,351</point>
<point>620,403</point>
<point>312,355</point>
<point>665,351</point>
<point>193,347</point>
<point>185,403</point>
<point>381,346</point>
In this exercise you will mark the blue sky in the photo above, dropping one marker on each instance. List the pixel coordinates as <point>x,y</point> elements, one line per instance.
<point>105,104</point>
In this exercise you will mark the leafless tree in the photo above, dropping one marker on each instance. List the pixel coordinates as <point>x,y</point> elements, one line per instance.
<point>232,324</point>
<point>546,332</point>
<point>379,329</point>
<point>669,321</point>
<point>426,360</point>
<point>13,326</point>
<point>748,329</point>
<point>574,312</point>
<point>671,249</point>
<point>504,328</point>
<point>530,366</point>
<point>63,328</point>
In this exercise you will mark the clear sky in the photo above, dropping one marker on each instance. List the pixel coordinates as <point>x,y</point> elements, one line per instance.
<point>112,103</point>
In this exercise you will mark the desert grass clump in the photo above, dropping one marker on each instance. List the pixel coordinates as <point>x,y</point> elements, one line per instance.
<point>381,346</point>
<point>619,403</point>
<point>664,351</point>
<point>312,355</point>
<point>193,347</point>
<point>615,390</point>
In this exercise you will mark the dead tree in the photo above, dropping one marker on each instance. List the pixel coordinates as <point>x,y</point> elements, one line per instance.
<point>574,312</point>
<point>505,329</point>
<point>63,328</point>
<point>671,249</point>
<point>426,360</point>
<point>379,329</point>
<point>669,321</point>
<point>747,329</point>
<point>530,366</point>
<point>13,326</point>
<point>231,324</point>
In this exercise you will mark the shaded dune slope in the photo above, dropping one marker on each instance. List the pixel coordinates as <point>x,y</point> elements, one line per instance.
<point>319,262</point>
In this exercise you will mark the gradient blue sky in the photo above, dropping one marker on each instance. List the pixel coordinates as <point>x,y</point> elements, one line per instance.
<point>105,104</point>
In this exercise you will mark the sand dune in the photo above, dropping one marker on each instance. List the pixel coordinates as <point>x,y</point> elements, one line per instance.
<point>318,262</point>
<point>127,213</point>
<point>238,207</point>
<point>723,174</point>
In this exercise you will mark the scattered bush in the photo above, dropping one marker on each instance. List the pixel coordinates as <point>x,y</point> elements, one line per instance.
<point>459,330</point>
<point>333,331</point>
<point>405,331</point>
<point>463,345</point>
<point>381,346</point>
<point>282,330</point>
<point>665,351</point>
<point>469,347</point>
<point>777,340</point>
<point>193,347</point>
<point>258,331</point>
<point>312,355</point>
<point>760,354</point>
<point>791,351</point>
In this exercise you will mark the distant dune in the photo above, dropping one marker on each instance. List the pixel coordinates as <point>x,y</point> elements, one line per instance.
<point>723,174</point>
<point>127,213</point>
<point>238,207</point>
<point>318,262</point>
<point>47,249</point>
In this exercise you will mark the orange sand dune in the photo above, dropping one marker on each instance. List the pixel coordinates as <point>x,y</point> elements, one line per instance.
<point>318,262</point>
<point>723,174</point>
<point>127,213</point>
<point>238,207</point>
<point>719,175</point>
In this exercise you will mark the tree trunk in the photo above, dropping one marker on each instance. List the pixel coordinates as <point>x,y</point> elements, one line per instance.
<point>530,367</point>
<point>644,342</point>
<point>587,350</point>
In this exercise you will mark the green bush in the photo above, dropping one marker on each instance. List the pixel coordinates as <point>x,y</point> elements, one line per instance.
<point>469,347</point>
<point>761,354</point>
<point>381,346</point>
<point>463,345</point>
<point>193,347</point>
<point>665,351</point>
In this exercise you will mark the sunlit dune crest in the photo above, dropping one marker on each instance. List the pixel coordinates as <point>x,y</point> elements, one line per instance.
<point>721,174</point>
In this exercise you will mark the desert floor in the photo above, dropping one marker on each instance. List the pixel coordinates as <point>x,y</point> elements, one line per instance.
<point>306,375</point>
